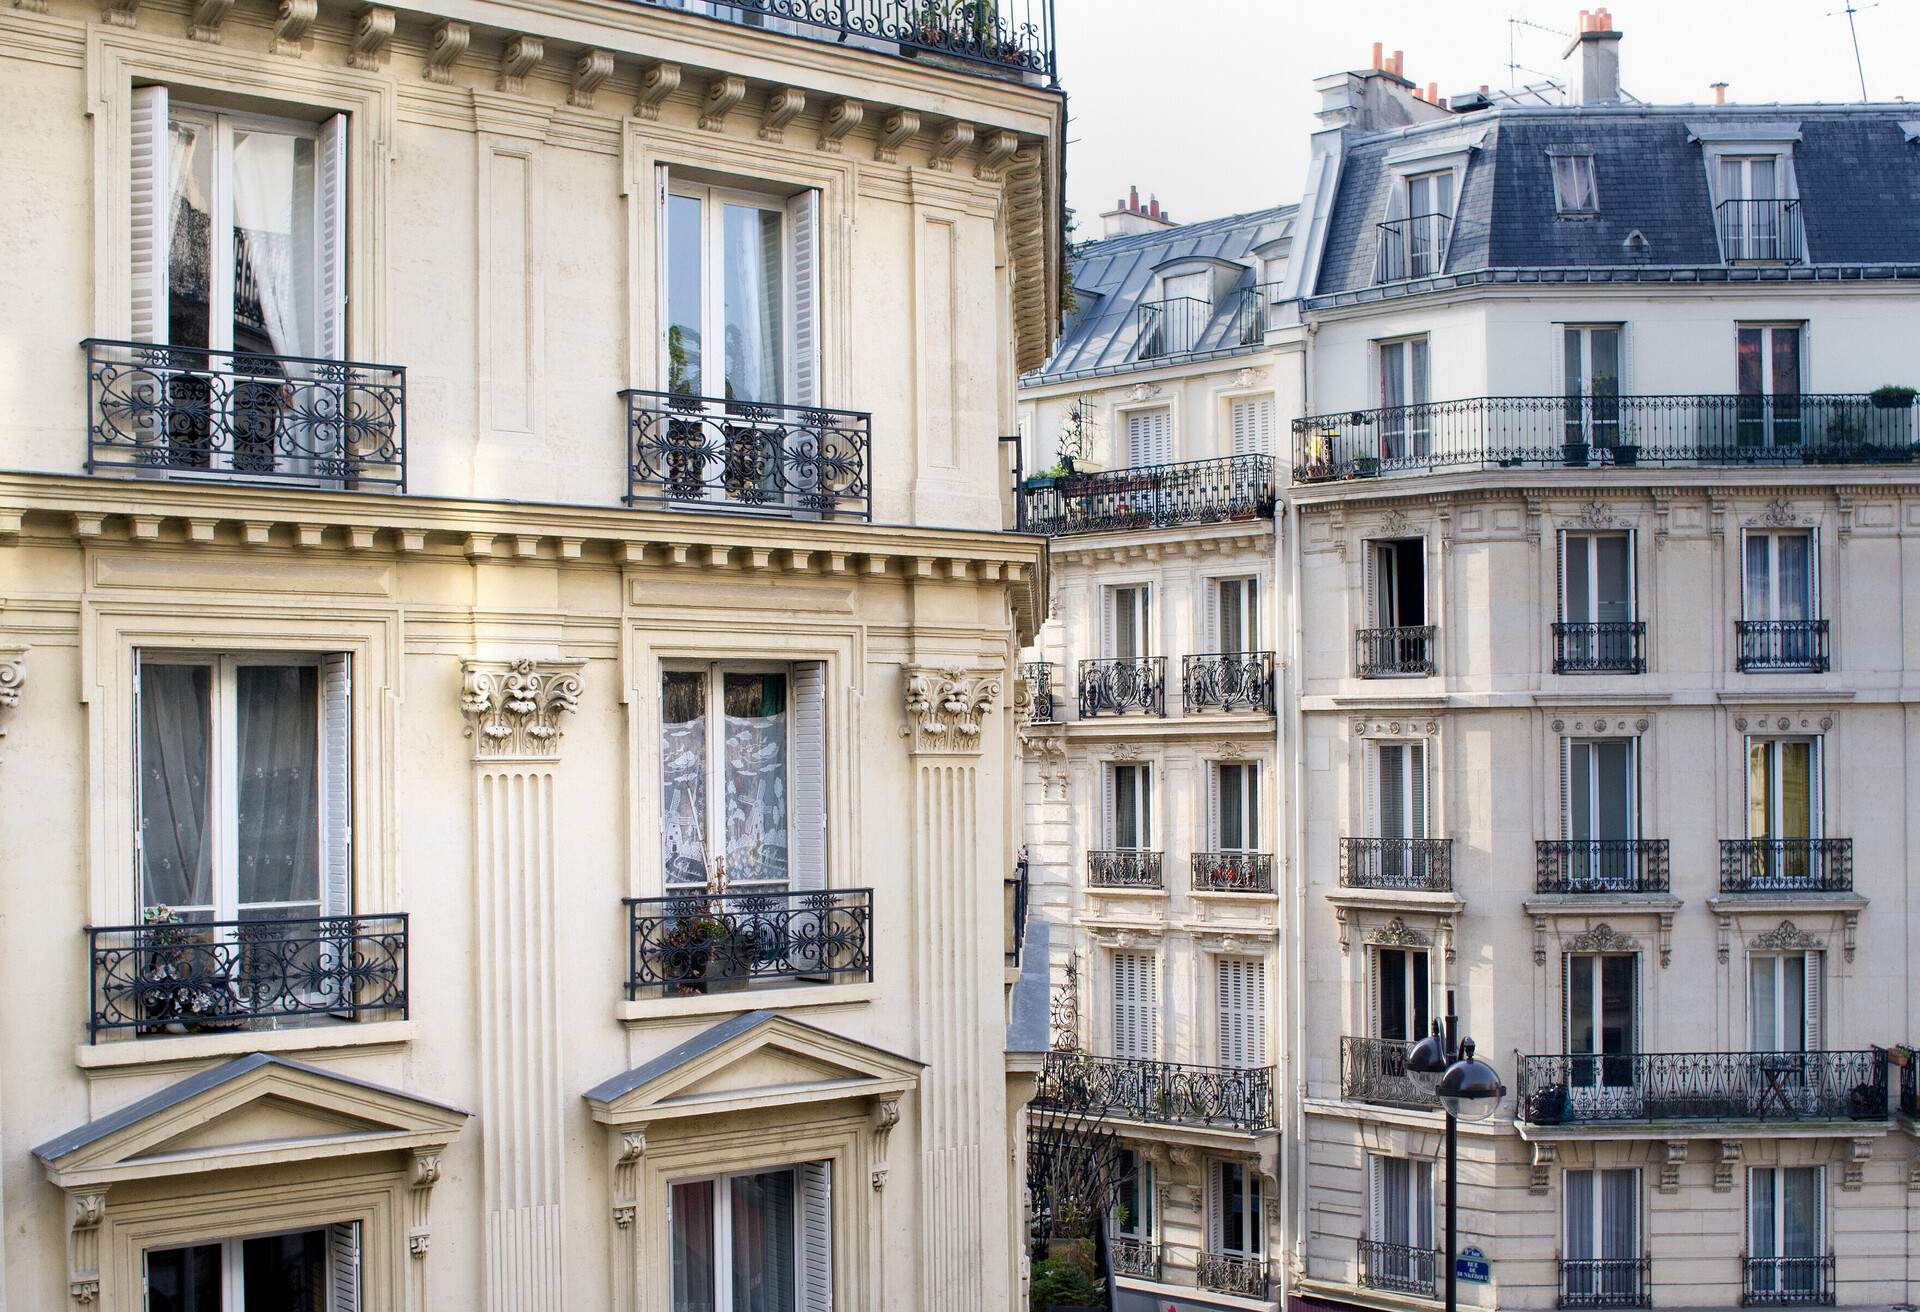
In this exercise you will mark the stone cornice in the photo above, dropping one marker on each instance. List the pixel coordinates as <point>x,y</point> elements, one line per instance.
<point>1623,491</point>
<point>514,708</point>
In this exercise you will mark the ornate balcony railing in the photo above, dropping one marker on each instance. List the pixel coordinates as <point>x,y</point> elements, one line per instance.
<point>1230,681</point>
<point>209,975</point>
<point>1012,36</point>
<point>1910,1084</point>
<point>1398,1267</point>
<point>1153,496</point>
<point>1786,865</point>
<point>1604,431</point>
<point>749,457</point>
<point>697,942</point>
<point>1038,678</point>
<point>1693,1086</point>
<point>1780,646</point>
<point>1788,1282</point>
<point>1136,1258</point>
<point>1232,872</point>
<point>1244,1274</point>
<point>1018,890</point>
<point>1767,230</point>
<point>1606,1282</point>
<point>1601,865</point>
<point>1386,652</point>
<point>1120,687</point>
<point>1413,247</point>
<point>1162,1092</point>
<point>187,412</point>
<point>1375,1071</point>
<point>1124,867</point>
<point>1421,864</point>
<point>1609,647</point>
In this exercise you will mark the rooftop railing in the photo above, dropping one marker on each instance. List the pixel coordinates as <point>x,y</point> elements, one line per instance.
<point>697,942</point>
<point>1152,496</point>
<point>748,457</point>
<point>1693,1086</point>
<point>1191,325</point>
<point>1165,1092</point>
<point>1042,701</point>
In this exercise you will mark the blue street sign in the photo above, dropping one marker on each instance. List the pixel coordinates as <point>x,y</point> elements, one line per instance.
<point>1473,1266</point>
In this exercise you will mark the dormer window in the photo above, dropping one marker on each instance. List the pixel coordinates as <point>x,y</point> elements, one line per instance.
<point>1756,218</point>
<point>1413,240</point>
<point>1574,189</point>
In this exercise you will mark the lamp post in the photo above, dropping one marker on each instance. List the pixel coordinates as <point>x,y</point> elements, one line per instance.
<point>1469,1089</point>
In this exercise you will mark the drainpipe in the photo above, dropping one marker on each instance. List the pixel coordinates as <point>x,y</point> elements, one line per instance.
<point>1297,836</point>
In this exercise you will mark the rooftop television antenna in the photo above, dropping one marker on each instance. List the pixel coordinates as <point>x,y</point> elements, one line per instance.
<point>1850,10</point>
<point>1514,66</point>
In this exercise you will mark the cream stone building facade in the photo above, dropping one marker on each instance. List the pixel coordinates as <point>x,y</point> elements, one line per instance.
<point>507,646</point>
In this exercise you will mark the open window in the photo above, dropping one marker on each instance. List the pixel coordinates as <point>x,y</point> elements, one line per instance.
<point>317,1269</point>
<point>1413,239</point>
<point>1783,1002</point>
<point>1575,191</point>
<point>1592,364</point>
<point>754,1240</point>
<point>1235,1227</point>
<point>1129,805</point>
<point>1401,1006</point>
<point>1601,1229</point>
<point>1406,420</point>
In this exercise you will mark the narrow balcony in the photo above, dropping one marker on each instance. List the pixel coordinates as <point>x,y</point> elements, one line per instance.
<point>748,457</point>
<point>1241,1274</point>
<point>1788,1282</point>
<point>1399,1268</point>
<point>1606,1282</point>
<point>1421,865</point>
<point>208,976</point>
<point>1394,653</point>
<point>1232,872</point>
<point>1413,247</point>
<point>1605,431</point>
<point>1161,1092</point>
<point>1609,647</point>
<point>1123,687</point>
<point>1780,646</point>
<point>1786,865</point>
<point>695,942</point>
<point>1375,1071</point>
<point>1761,231</point>
<point>1038,678</point>
<point>1601,865</point>
<point>1150,496</point>
<point>1180,326</point>
<point>1228,681</point>
<point>1703,1086</point>
<point>1136,1259</point>
<point>1124,867</point>
<point>232,416</point>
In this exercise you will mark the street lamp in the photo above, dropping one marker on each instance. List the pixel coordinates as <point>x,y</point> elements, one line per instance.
<point>1470,1090</point>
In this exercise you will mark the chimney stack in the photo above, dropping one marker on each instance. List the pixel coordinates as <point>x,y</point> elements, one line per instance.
<point>1596,78</point>
<point>1377,48</point>
<point>1398,62</point>
<point>1719,93</point>
<point>1128,216</point>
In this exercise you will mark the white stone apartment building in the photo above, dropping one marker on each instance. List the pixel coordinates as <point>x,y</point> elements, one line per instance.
<point>508,639</point>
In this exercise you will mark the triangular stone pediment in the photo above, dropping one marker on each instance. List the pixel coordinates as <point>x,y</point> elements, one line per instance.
<point>253,1111</point>
<point>758,1059</point>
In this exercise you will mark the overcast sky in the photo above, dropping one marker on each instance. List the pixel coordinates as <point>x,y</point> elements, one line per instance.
<point>1208,103</point>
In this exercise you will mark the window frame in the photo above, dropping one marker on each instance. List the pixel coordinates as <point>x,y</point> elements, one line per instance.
<point>1773,1175</point>
<point>1419,1008</point>
<point>1142,804</point>
<point>1142,620</point>
<point>1816,790</point>
<point>1569,811</point>
<point>1380,580</point>
<point>1405,424</point>
<point>1165,438</point>
<point>1597,1239</point>
<point>1578,167</point>
<point>1139,1229</point>
<point>1589,543</point>
<point>233,1256</point>
<point>1246,610</point>
<point>1771,601</point>
<point>1252,1239</point>
<point>1248,773</point>
<point>1418,818</point>
<point>722,1224</point>
<point>714,198</point>
<point>1253,971</point>
<point>1812,999</point>
<point>1260,409</point>
<point>1419,1221</point>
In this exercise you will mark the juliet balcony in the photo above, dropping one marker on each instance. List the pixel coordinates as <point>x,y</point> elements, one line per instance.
<point>1179,326</point>
<point>1228,681</point>
<point>1606,1282</point>
<point>1232,872</point>
<point>1037,677</point>
<point>748,457</point>
<point>1788,1282</point>
<point>1786,865</point>
<point>1605,432</point>
<point>1143,497</point>
<point>1578,1090</point>
<point>1159,1092</point>
<point>1781,646</point>
<point>1422,865</point>
<point>1601,865</point>
<point>1124,868</point>
<point>1605,647</point>
<point>1393,653</point>
<point>1243,1275</point>
<point>1760,230</point>
<point>1399,1268</point>
<point>1123,687</point>
<point>696,942</point>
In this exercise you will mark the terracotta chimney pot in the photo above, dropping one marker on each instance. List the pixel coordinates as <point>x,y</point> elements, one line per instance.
<point>1376,64</point>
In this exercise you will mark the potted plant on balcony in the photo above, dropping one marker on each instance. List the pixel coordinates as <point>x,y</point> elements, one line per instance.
<point>1626,447</point>
<point>1891,396</point>
<point>706,951</point>
<point>181,988</point>
<point>1574,454</point>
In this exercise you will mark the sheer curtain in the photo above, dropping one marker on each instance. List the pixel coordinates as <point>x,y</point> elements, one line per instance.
<point>763,1252</point>
<point>683,778</point>
<point>756,772</point>
<point>1619,1215</point>
<point>176,758</point>
<point>273,179</point>
<point>277,798</point>
<point>692,1241</point>
<point>755,314</point>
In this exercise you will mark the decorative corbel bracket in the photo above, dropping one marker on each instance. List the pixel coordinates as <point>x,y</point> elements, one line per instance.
<point>1853,1170</point>
<point>656,84</point>
<point>626,1171</point>
<point>514,708</point>
<point>783,105</point>
<point>13,679</point>
<point>290,26</point>
<point>589,71</point>
<point>1664,935</point>
<point>899,126</point>
<point>1539,940</point>
<point>842,117</point>
<point>518,57</point>
<point>723,94</point>
<point>86,1209</point>
<point>372,34</point>
<point>424,1175</point>
<point>1543,1158</point>
<point>450,41</point>
<point>207,17</point>
<point>885,1116</point>
<point>995,151</point>
<point>1675,1158</point>
<point>954,138</point>
<point>1725,1165</point>
<point>1342,928</point>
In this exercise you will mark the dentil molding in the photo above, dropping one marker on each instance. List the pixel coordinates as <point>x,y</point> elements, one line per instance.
<point>946,707</point>
<point>513,708</point>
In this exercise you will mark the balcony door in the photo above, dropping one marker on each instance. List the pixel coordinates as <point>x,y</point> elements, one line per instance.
<point>1240,1006</point>
<point>1602,1032</point>
<point>1402,994</point>
<point>1185,308</point>
<point>1397,582</point>
<point>1786,1233</point>
<point>1783,811</point>
<point>1233,607</point>
<point>1429,212</point>
<point>308,1270</point>
<point>1767,365</point>
<point>1590,361</point>
<point>1400,1223</point>
<point>1596,601</point>
<point>1602,1238</point>
<point>1601,798</point>
<point>1405,425</point>
<point>1234,1224</point>
<point>1129,805</point>
<point>1233,806</point>
<point>1751,189</point>
<point>1129,625</point>
<point>1779,579</point>
<point>759,1242</point>
<point>1399,820</point>
<point>1783,1002</point>
<point>1136,1011</point>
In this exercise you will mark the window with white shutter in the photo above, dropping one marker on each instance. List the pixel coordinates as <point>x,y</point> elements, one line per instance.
<point>1234,1222</point>
<point>1127,620</point>
<point>1250,423</point>
<point>758,1239</point>
<point>322,1265</point>
<point>1136,1022</point>
<point>1233,806</point>
<point>1401,1005</point>
<point>1783,1001</point>
<point>1149,437</point>
<point>1232,625</point>
<point>1240,995</point>
<point>1128,788</point>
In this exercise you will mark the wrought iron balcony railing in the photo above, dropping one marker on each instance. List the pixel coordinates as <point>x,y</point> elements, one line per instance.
<point>1766,230</point>
<point>1162,1092</point>
<point>187,412</point>
<point>1421,864</point>
<point>1124,867</point>
<point>1229,681</point>
<point>1232,872</point>
<point>209,975</point>
<point>1788,1282</point>
<point>1601,865</point>
<point>1038,678</point>
<point>1781,646</point>
<point>1693,1086</point>
<point>1382,653</point>
<point>1137,1258</point>
<point>1243,1274</point>
<point>1121,687</point>
<point>1609,647</point>
<point>1910,1084</point>
<point>1398,1267</point>
<point>749,457</point>
<point>1018,890</point>
<point>697,942</point>
<point>1606,1282</point>
<point>1010,36</point>
<point>1414,247</point>
<point>1189,325</point>
<point>1786,865</point>
<point>1152,496</point>
<point>1606,431</point>
<point>1375,1071</point>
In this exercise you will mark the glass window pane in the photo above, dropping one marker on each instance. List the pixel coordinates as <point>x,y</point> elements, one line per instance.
<point>756,776</point>
<point>1578,565</point>
<point>1572,358</point>
<point>1748,372</point>
<point>1612,573</point>
<point>1795,819</point>
<point>685,277</point>
<point>1580,816</point>
<point>190,233</point>
<point>683,778</point>
<point>274,252</point>
<point>1393,374</point>
<point>1613,776</point>
<point>1616,1003</point>
<point>763,1243</point>
<point>1232,816</point>
<point>1581,1035</point>
<point>184,1279</point>
<point>1800,1206</point>
<point>175,776</point>
<point>277,795</point>
<point>1786,361</point>
<point>755,305</point>
<point>1759,600</point>
<point>1794,590</point>
<point>691,1243</point>
<point>1232,636</point>
<point>1763,999</point>
<point>286,1271</point>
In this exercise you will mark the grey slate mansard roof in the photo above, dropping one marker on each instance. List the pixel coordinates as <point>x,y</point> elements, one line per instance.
<point>1113,276</point>
<point>1857,168</point>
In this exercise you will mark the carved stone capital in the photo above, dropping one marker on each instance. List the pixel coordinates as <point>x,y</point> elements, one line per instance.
<point>13,680</point>
<point>513,708</point>
<point>945,708</point>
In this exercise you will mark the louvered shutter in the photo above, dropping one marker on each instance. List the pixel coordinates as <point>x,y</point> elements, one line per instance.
<point>1566,789</point>
<point>1376,1198</point>
<point>1377,997</point>
<point>336,783</point>
<point>331,237</point>
<point>1372,604</point>
<point>1390,811</point>
<point>1216,1206</point>
<point>1566,1002</point>
<point>152,193</point>
<point>1250,809</point>
<point>1212,637</point>
<point>1143,784</point>
<point>1251,425</point>
<point>139,805</point>
<point>1240,992</point>
<point>1417,790</point>
<point>343,1263</point>
<point>1109,814</point>
<point>1149,437</point>
<point>1816,962</point>
<point>1215,833</point>
<point>803,244</point>
<point>808,780</point>
<point>1135,1025</point>
<point>816,1237</point>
